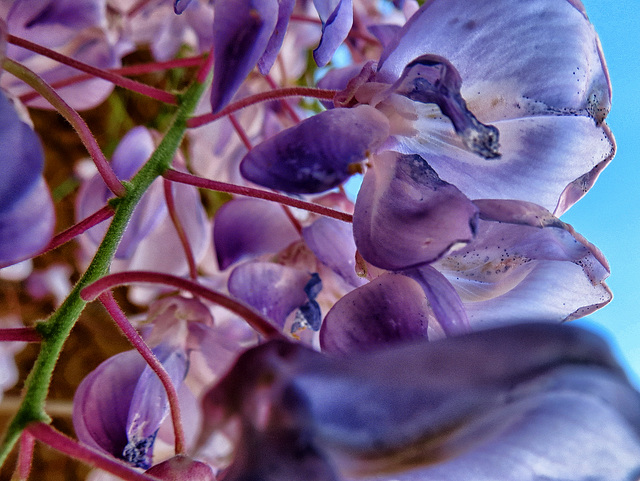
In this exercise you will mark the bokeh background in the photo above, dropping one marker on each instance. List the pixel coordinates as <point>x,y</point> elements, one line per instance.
<point>609,215</point>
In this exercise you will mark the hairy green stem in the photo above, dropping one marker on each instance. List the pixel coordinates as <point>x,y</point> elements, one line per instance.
<point>57,328</point>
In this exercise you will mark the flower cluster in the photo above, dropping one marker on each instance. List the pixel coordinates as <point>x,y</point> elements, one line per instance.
<point>339,225</point>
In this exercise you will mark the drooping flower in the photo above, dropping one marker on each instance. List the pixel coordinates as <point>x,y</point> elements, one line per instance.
<point>121,407</point>
<point>473,112</point>
<point>523,402</point>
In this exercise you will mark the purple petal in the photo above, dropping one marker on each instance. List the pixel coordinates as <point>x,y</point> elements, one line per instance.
<point>524,267</point>
<point>250,227</point>
<point>579,187</point>
<point>180,6</point>
<point>132,152</point>
<point>119,406</point>
<point>389,309</point>
<point>101,402</point>
<point>443,300</point>
<point>272,289</point>
<point>241,32</point>
<point>149,405</point>
<point>27,227</point>
<point>52,23</point>
<point>22,160</point>
<point>542,58</point>
<point>406,216</point>
<point>317,154</point>
<point>541,156</point>
<point>516,212</point>
<point>332,242</point>
<point>285,9</point>
<point>512,403</point>
<point>384,33</point>
<point>337,18</point>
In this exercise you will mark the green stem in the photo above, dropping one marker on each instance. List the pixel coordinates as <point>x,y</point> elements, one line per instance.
<point>56,329</point>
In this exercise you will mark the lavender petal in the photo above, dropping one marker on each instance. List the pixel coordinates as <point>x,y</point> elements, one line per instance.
<point>406,216</point>
<point>391,308</point>
<point>337,18</point>
<point>250,227</point>
<point>241,32</point>
<point>272,289</point>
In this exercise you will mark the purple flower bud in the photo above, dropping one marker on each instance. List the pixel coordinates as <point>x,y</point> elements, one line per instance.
<point>389,309</point>
<point>241,33</point>
<point>319,153</point>
<point>182,468</point>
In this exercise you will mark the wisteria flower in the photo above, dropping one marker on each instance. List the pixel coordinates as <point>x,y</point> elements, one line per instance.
<point>460,108</point>
<point>121,407</point>
<point>497,118</point>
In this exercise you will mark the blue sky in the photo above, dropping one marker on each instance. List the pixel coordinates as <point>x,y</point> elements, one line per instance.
<point>609,214</point>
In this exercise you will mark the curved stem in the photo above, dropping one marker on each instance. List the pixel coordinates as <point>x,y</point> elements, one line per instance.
<point>110,304</point>
<point>190,179</point>
<point>71,116</point>
<point>285,105</point>
<point>253,318</point>
<point>21,334</point>
<point>72,448</point>
<point>115,79</point>
<point>25,456</point>
<point>100,215</point>
<point>262,97</point>
<point>184,240</point>
<point>241,132</point>
<point>138,69</point>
